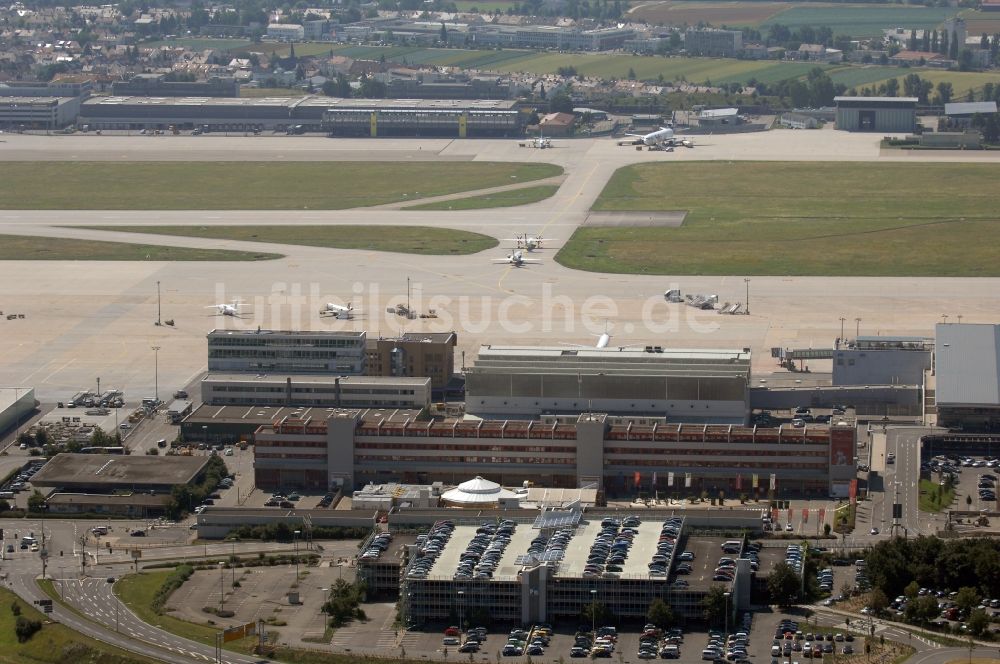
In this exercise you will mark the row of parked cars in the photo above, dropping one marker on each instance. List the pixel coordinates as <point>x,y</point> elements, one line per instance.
<point>429,547</point>
<point>532,642</point>
<point>601,643</point>
<point>483,552</point>
<point>654,642</point>
<point>379,544</point>
<point>987,486</point>
<point>611,546</point>
<point>789,639</point>
<point>793,557</point>
<point>670,532</point>
<point>736,649</point>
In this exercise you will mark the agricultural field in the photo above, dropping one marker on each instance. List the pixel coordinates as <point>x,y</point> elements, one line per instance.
<point>748,14</point>
<point>248,185</point>
<point>747,218</point>
<point>977,22</point>
<point>199,44</point>
<point>269,92</point>
<point>484,6</point>
<point>861,21</point>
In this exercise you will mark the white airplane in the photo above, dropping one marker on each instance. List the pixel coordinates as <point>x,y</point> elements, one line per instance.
<point>334,310</point>
<point>529,242</point>
<point>515,258</point>
<point>541,142</point>
<point>227,309</point>
<point>664,136</point>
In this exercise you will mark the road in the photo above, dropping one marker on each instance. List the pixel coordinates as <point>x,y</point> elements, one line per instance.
<point>109,620</point>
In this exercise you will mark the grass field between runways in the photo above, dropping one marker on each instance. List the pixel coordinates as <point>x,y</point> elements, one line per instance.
<point>247,185</point>
<point>38,248</point>
<point>783,218</point>
<point>509,198</point>
<point>399,239</point>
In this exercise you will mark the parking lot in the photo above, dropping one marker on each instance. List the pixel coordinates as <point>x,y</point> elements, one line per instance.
<point>976,479</point>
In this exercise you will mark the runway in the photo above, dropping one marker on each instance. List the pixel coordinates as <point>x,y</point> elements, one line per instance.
<point>91,319</point>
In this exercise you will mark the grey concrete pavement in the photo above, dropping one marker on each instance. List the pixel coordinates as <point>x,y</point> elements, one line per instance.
<point>111,306</point>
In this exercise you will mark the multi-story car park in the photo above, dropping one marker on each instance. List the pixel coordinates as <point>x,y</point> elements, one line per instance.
<point>353,447</point>
<point>526,578</point>
<point>366,117</point>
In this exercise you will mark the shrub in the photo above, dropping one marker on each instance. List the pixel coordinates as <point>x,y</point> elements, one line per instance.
<point>173,581</point>
<point>25,628</point>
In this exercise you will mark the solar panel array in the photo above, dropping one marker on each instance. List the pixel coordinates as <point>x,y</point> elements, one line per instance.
<point>555,520</point>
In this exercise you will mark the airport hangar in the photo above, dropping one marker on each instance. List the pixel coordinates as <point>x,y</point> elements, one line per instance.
<point>967,391</point>
<point>878,114</point>
<point>16,404</point>
<point>691,386</point>
<point>338,117</point>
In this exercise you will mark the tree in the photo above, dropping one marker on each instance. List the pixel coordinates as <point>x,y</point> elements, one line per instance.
<point>912,589</point>
<point>892,87</point>
<point>713,606</point>
<point>966,600</point>
<point>444,32</point>
<point>36,502</point>
<point>660,614</point>
<point>978,622</point>
<point>784,585</point>
<point>991,129</point>
<point>631,74</point>
<point>26,439</point>
<point>944,92</point>
<point>25,628</point>
<point>877,601</point>
<point>561,103</point>
<point>597,613</point>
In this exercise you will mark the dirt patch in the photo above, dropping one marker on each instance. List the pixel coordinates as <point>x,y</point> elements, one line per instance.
<point>715,13</point>
<point>666,218</point>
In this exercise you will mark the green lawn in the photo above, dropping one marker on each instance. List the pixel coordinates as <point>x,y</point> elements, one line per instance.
<point>783,218</point>
<point>54,643</point>
<point>399,239</point>
<point>31,248</point>
<point>508,198</point>
<point>136,591</point>
<point>247,185</point>
<point>933,497</point>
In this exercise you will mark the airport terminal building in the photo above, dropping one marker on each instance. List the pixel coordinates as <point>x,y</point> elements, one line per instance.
<point>352,448</point>
<point>338,117</point>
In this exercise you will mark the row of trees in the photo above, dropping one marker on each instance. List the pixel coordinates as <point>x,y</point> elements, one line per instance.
<point>930,562</point>
<point>185,497</point>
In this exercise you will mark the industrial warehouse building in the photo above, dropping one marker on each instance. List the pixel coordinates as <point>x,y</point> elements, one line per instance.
<point>351,448</point>
<point>339,117</point>
<point>880,114</point>
<point>704,385</point>
<point>317,391</point>
<point>282,351</point>
<point>967,391</point>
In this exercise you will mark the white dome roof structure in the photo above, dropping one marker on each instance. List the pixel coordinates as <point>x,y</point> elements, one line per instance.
<point>476,492</point>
